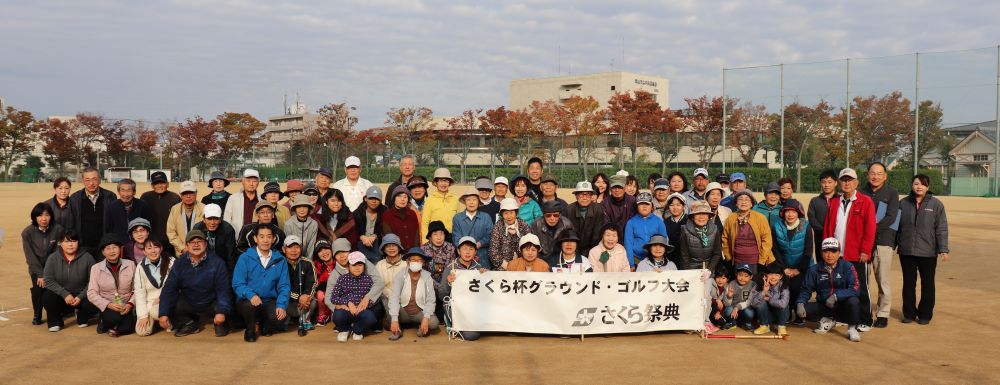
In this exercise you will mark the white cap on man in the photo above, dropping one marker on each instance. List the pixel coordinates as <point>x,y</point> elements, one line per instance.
<point>848,173</point>
<point>188,187</point>
<point>352,161</point>
<point>213,210</point>
<point>501,180</point>
<point>831,244</point>
<point>251,173</point>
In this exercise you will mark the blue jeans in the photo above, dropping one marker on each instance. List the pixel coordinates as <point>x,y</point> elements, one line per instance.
<point>372,253</point>
<point>767,314</point>
<point>744,317</point>
<point>361,323</point>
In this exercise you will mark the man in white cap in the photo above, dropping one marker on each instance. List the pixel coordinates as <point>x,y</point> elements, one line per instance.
<point>851,220</point>
<point>183,216</point>
<point>353,186</point>
<point>221,236</point>
<point>586,215</point>
<point>835,283</point>
<point>501,186</point>
<point>699,187</point>
<point>240,207</point>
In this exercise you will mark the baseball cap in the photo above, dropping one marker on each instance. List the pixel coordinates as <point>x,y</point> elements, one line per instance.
<point>356,257</point>
<point>617,181</point>
<point>661,184</point>
<point>848,172</point>
<point>528,239</point>
<point>508,204</point>
<point>583,187</point>
<point>744,267</point>
<point>772,187</point>
<point>158,177</point>
<point>467,239</point>
<point>352,161</point>
<point>292,240</point>
<point>188,187</point>
<point>644,197</point>
<point>831,244</point>
<point>737,176</point>
<point>701,171</point>
<point>213,210</point>
<point>193,234</point>
<point>251,173</point>
<point>325,172</point>
<point>374,192</point>
<point>722,178</point>
<point>501,180</point>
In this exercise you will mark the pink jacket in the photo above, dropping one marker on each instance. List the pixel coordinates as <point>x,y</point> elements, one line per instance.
<point>617,263</point>
<point>101,289</point>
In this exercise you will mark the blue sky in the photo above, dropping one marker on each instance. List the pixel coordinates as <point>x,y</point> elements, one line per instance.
<point>175,59</point>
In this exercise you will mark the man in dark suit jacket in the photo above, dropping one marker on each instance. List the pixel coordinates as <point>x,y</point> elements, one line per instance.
<point>119,213</point>
<point>88,206</point>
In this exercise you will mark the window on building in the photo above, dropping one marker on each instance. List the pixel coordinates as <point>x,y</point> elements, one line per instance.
<point>612,88</point>
<point>981,158</point>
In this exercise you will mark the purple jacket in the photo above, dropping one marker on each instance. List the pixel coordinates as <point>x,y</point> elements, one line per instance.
<point>618,212</point>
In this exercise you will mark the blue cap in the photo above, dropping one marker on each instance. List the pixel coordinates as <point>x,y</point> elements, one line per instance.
<point>417,251</point>
<point>737,176</point>
<point>744,267</point>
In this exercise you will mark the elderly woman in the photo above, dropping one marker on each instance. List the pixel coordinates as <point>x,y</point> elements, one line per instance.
<point>609,255</point>
<point>506,235</point>
<point>713,195</point>
<point>746,236</point>
<point>700,239</point>
<point>793,246</point>
<point>134,250</point>
<point>66,273</point>
<point>152,273</point>
<point>412,300</point>
<point>39,240</point>
<point>402,219</point>
<point>110,289</point>
<point>923,239</point>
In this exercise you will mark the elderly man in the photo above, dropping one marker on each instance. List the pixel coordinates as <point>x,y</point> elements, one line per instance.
<point>239,209</point>
<point>835,283</point>
<point>619,207</point>
<point>699,187</point>
<point>407,165</point>
<point>886,200</point>
<point>122,211</point>
<point>353,186</point>
<point>221,236</point>
<point>324,176</point>
<point>88,206</point>
<point>586,215</point>
<point>851,220</point>
<point>550,227</point>
<point>198,288</point>
<point>184,215</point>
<point>160,200</point>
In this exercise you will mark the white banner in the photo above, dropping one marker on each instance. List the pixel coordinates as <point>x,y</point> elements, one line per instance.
<point>578,303</point>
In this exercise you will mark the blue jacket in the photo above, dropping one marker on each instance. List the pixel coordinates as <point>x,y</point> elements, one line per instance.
<point>843,283</point>
<point>638,230</point>
<point>770,213</point>
<point>480,228</point>
<point>271,283</point>
<point>200,285</point>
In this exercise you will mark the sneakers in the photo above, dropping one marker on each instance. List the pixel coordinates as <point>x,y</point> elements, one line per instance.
<point>357,337</point>
<point>114,333</point>
<point>342,336</point>
<point>83,325</point>
<point>782,331</point>
<point>36,321</point>
<point>825,324</point>
<point>763,329</point>
<point>395,336</point>
<point>729,326</point>
<point>55,328</point>
<point>852,333</point>
<point>308,325</point>
<point>799,322</point>
<point>187,329</point>
<point>864,328</point>
<point>881,322</point>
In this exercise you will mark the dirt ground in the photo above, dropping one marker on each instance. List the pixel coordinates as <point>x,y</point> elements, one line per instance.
<point>957,347</point>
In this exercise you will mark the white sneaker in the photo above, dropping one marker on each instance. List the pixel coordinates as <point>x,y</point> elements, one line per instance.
<point>357,337</point>
<point>342,336</point>
<point>82,325</point>
<point>825,324</point>
<point>864,328</point>
<point>55,328</point>
<point>852,333</point>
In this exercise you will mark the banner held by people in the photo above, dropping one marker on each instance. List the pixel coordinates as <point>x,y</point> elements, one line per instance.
<point>575,304</point>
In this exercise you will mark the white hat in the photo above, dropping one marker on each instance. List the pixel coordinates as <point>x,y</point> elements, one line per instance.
<point>701,171</point>
<point>501,180</point>
<point>352,161</point>
<point>292,240</point>
<point>213,210</point>
<point>848,172</point>
<point>622,173</point>
<point>443,173</point>
<point>188,186</point>
<point>356,257</point>
<point>508,204</point>
<point>529,238</point>
<point>251,173</point>
<point>831,244</point>
<point>583,187</point>
<point>715,186</point>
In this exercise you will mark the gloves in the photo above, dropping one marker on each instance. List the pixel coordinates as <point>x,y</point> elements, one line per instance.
<point>832,301</point>
<point>801,310</point>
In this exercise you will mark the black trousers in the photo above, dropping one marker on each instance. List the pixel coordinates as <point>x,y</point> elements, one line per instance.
<point>864,299</point>
<point>36,298</point>
<point>794,289</point>
<point>184,312</point>
<point>265,314</point>
<point>56,307</point>
<point>925,267</point>
<point>846,310</point>
<point>125,324</point>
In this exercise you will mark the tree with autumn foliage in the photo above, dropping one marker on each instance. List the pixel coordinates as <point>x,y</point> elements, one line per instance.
<point>333,129</point>
<point>703,124</point>
<point>523,128</point>
<point>493,123</point>
<point>365,144</point>
<point>236,132</point>
<point>584,119</point>
<point>18,134</point>
<point>802,125</point>
<point>750,132</point>
<point>142,142</point>
<point>663,139</point>
<point>60,145</point>
<point>406,124</point>
<point>112,135</point>
<point>462,130</point>
<point>879,126</point>
<point>634,116</point>
<point>194,139</point>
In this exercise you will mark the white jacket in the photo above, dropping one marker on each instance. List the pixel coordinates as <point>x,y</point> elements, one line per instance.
<point>145,295</point>
<point>354,195</point>
<point>234,212</point>
<point>401,287</point>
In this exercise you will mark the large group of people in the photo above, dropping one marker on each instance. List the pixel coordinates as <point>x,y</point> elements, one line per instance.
<point>369,260</point>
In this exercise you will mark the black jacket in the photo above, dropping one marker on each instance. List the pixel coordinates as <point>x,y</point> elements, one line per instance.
<point>692,253</point>
<point>886,197</point>
<point>159,207</point>
<point>588,227</point>
<point>38,245</point>
<point>63,215</point>
<point>816,214</point>
<point>225,242</point>
<point>922,232</point>
<point>116,219</point>
<point>76,206</point>
<point>245,239</point>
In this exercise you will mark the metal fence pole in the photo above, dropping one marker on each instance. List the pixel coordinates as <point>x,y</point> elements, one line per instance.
<point>916,114</point>
<point>847,136</point>
<point>724,100</point>
<point>996,135</point>
<point>782,153</point>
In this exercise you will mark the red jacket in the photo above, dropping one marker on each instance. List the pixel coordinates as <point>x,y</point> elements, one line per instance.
<point>860,236</point>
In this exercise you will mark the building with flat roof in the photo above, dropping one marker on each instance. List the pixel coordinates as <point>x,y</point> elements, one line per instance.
<point>600,85</point>
<point>283,131</point>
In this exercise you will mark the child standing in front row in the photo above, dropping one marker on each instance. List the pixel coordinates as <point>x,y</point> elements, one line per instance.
<point>772,302</point>
<point>717,294</point>
<point>738,296</point>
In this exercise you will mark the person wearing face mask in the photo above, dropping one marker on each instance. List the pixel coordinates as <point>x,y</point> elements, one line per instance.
<point>506,234</point>
<point>413,300</point>
<point>152,272</point>
<point>110,289</point>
